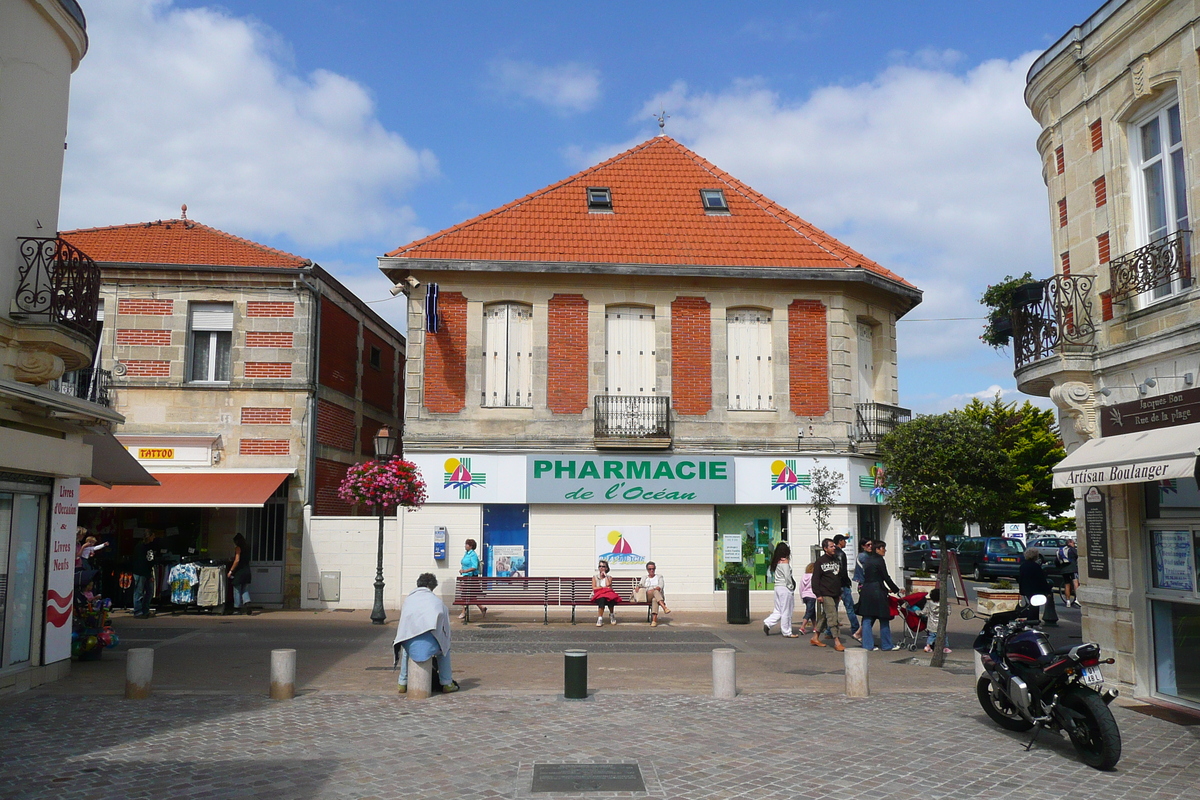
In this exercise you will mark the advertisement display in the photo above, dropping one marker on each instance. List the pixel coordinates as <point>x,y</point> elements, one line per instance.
<point>784,480</point>
<point>624,547</point>
<point>60,572</point>
<point>506,561</point>
<point>1173,560</point>
<point>640,479</point>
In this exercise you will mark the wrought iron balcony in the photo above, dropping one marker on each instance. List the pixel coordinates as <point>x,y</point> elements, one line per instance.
<point>873,421</point>
<point>58,282</point>
<point>632,421</point>
<point>93,385</point>
<point>1060,316</point>
<point>1160,263</point>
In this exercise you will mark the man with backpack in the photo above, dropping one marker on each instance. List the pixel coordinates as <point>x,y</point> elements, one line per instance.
<point>1068,557</point>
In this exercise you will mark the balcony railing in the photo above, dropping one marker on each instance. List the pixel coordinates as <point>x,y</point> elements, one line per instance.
<point>873,421</point>
<point>59,282</point>
<point>1060,316</point>
<point>632,418</point>
<point>1163,262</point>
<point>94,385</point>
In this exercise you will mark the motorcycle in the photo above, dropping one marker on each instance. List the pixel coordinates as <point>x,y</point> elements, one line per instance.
<point>1028,684</point>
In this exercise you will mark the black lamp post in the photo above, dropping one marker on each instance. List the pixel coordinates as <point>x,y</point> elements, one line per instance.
<point>385,448</point>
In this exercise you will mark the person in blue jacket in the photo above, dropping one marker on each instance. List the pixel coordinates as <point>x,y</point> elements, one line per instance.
<point>470,568</point>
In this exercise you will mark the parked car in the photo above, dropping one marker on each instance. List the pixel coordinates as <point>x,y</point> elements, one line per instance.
<point>1048,546</point>
<point>990,557</point>
<point>917,555</point>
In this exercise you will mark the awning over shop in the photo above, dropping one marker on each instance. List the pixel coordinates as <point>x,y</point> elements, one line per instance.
<point>1132,458</point>
<point>112,464</point>
<point>190,490</point>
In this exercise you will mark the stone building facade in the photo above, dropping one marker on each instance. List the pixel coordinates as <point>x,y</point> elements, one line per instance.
<point>648,350</point>
<point>235,362</point>
<point>1113,337</point>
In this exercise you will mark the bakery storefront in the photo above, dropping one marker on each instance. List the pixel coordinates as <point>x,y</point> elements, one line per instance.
<point>1140,541</point>
<point>556,514</point>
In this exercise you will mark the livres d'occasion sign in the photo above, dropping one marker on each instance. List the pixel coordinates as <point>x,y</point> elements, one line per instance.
<point>1149,413</point>
<point>630,480</point>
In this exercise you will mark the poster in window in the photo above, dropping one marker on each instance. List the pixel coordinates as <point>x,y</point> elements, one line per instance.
<point>508,561</point>
<point>624,547</point>
<point>1173,560</point>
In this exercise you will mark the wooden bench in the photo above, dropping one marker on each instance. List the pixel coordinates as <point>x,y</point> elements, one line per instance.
<point>544,592</point>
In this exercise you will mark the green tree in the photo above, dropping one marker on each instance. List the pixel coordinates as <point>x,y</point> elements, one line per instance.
<point>824,485</point>
<point>1029,437</point>
<point>947,470</point>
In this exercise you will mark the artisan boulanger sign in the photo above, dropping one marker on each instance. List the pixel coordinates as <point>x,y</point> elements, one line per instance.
<point>630,480</point>
<point>1118,473</point>
<point>1149,413</point>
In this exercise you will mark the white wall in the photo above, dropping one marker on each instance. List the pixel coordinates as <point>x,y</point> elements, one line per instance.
<point>461,522</point>
<point>350,545</point>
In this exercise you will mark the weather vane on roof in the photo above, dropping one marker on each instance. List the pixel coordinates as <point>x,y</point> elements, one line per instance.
<point>183,211</point>
<point>662,116</point>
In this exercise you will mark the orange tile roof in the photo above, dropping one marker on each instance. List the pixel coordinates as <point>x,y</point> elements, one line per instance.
<point>176,241</point>
<point>658,219</point>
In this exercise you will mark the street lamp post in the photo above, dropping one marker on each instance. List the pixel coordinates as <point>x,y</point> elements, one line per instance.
<point>385,448</point>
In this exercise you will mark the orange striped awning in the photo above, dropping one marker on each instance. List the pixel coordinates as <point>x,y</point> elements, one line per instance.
<point>189,490</point>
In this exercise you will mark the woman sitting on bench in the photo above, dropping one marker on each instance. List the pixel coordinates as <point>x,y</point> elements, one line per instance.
<point>603,594</point>
<point>653,584</point>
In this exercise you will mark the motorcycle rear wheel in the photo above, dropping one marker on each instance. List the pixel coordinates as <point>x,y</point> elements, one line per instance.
<point>1002,712</point>
<point>1096,737</point>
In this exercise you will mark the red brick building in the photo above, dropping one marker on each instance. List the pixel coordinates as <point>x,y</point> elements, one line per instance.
<point>249,378</point>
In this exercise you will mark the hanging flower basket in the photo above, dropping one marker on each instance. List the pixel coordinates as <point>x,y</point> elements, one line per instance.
<point>384,484</point>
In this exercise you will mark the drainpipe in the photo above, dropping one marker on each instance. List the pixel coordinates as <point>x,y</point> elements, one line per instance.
<point>314,366</point>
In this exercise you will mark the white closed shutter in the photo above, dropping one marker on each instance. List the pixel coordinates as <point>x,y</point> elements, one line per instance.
<point>212,316</point>
<point>866,363</point>
<point>748,351</point>
<point>507,355</point>
<point>629,350</point>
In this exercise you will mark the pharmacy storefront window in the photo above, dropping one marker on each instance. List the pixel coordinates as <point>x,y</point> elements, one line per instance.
<point>1174,587</point>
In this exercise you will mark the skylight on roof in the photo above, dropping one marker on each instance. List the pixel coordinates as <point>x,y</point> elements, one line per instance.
<point>599,198</point>
<point>714,200</point>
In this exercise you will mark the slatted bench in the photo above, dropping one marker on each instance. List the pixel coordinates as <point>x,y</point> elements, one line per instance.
<point>544,592</point>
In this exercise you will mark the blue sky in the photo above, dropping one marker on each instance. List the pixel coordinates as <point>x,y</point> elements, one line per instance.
<point>339,130</point>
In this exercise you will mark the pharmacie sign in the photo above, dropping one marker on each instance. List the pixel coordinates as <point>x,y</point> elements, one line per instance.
<point>634,480</point>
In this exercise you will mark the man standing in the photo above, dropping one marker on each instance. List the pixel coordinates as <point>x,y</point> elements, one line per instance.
<point>424,633</point>
<point>827,586</point>
<point>847,595</point>
<point>1032,580</point>
<point>143,574</point>
<point>1068,557</point>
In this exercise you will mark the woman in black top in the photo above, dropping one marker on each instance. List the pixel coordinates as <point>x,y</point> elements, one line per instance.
<point>239,574</point>
<point>873,599</point>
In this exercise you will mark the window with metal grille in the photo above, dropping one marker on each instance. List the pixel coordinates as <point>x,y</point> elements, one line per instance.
<point>1160,184</point>
<point>508,355</point>
<point>749,357</point>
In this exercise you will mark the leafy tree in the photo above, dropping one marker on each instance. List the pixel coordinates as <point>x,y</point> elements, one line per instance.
<point>947,470</point>
<point>823,487</point>
<point>1029,437</point>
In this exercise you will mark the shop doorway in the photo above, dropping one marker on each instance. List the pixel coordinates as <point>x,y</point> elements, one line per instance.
<point>266,530</point>
<point>22,516</point>
<point>505,540</point>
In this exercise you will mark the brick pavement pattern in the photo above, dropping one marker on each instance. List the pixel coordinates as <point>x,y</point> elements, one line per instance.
<point>475,745</point>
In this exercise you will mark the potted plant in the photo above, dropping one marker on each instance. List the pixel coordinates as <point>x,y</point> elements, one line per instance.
<point>1000,299</point>
<point>999,596</point>
<point>922,581</point>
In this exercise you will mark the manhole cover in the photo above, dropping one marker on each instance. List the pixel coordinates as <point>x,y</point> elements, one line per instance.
<point>492,625</point>
<point>587,778</point>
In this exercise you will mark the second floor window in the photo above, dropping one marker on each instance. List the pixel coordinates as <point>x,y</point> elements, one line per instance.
<point>507,355</point>
<point>211,326</point>
<point>629,353</point>
<point>1157,152</point>
<point>749,356</point>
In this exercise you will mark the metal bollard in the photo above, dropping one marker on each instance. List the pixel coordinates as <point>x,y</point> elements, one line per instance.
<point>575,674</point>
<point>858,682</point>
<point>139,673</point>
<point>724,673</point>
<point>283,674</point>
<point>420,679</point>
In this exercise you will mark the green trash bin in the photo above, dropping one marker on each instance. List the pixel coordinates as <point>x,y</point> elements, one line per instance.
<point>737,599</point>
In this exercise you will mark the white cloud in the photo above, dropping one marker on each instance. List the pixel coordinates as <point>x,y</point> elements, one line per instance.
<point>565,88</point>
<point>197,106</point>
<point>932,173</point>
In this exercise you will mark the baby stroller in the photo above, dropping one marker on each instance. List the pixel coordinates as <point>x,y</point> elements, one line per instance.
<point>914,624</point>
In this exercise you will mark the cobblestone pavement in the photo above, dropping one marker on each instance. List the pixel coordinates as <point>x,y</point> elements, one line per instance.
<point>473,745</point>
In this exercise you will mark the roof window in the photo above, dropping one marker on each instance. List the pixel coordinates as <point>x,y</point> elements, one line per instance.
<point>714,200</point>
<point>599,198</point>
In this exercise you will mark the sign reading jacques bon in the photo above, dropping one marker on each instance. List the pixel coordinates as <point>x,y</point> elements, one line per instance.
<point>1149,413</point>
<point>583,479</point>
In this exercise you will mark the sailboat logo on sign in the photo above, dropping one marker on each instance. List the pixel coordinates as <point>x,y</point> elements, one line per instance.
<point>459,476</point>
<point>784,477</point>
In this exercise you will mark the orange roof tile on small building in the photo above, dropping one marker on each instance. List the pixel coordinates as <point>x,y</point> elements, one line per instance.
<point>657,218</point>
<point>177,241</point>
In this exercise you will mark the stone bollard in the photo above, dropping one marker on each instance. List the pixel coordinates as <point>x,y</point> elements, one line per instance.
<point>858,682</point>
<point>283,674</point>
<point>420,679</point>
<point>724,667</point>
<point>575,674</point>
<point>139,673</point>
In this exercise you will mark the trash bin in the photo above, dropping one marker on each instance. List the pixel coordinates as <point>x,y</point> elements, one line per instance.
<point>737,599</point>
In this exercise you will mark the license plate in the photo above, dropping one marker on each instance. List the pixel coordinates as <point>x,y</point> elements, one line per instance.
<point>1092,676</point>
<point>1008,560</point>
